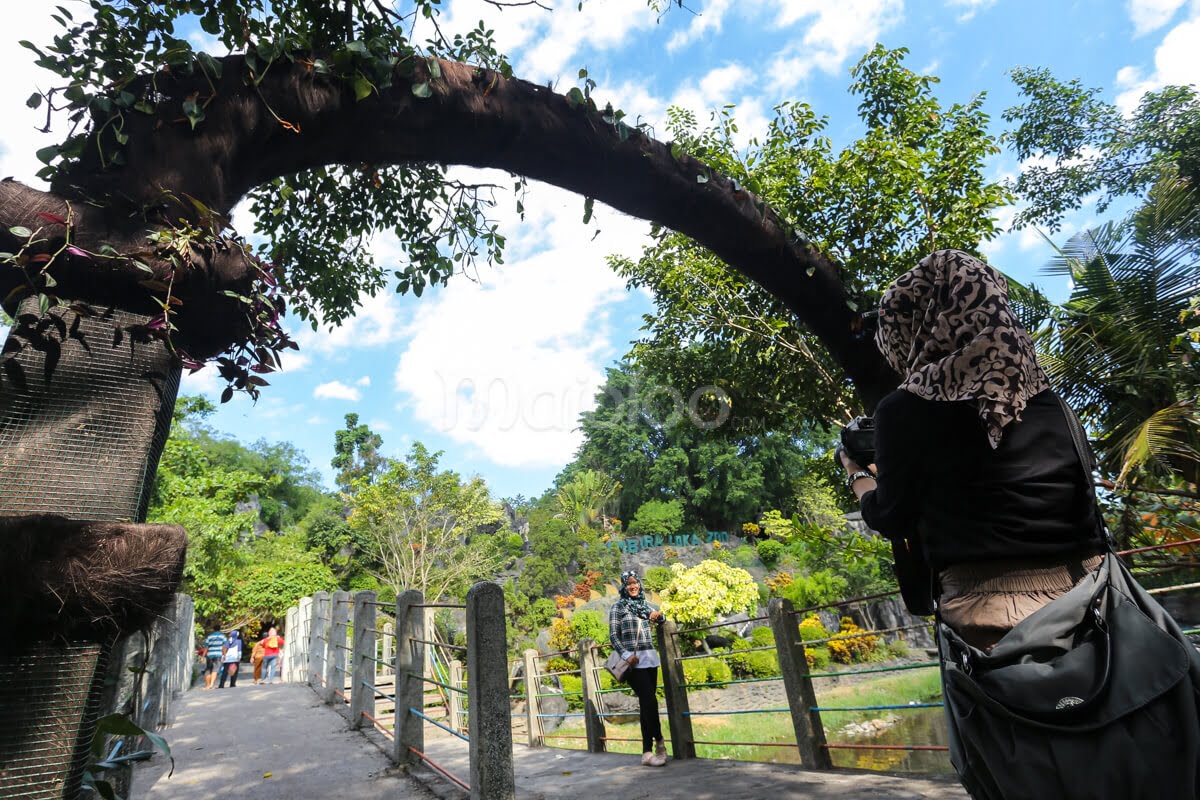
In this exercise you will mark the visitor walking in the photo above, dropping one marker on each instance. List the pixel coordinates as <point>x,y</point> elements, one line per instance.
<point>629,632</point>
<point>272,644</point>
<point>214,651</point>
<point>256,661</point>
<point>231,660</point>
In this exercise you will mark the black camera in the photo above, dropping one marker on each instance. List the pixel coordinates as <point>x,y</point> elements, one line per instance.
<point>858,440</point>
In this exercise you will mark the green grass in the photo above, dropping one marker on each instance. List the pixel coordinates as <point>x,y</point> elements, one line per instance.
<point>886,689</point>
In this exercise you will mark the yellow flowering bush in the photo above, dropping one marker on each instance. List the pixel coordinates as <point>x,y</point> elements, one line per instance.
<point>847,650</point>
<point>699,594</point>
<point>811,629</point>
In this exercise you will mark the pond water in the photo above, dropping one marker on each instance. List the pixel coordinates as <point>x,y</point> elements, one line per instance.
<point>920,726</point>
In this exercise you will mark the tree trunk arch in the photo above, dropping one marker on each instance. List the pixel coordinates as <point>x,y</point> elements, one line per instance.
<point>295,119</point>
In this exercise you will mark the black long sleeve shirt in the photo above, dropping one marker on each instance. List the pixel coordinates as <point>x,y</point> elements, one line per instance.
<point>938,475</point>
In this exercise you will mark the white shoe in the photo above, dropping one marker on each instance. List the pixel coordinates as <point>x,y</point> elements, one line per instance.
<point>660,750</point>
<point>653,760</point>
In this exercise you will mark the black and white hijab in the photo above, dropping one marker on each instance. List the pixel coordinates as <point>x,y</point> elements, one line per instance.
<point>946,326</point>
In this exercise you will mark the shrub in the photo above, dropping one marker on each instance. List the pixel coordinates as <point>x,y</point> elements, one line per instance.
<point>541,611</point>
<point>761,637</point>
<point>758,664</point>
<point>657,578</point>
<point>897,648</point>
<point>742,556</point>
<point>750,530</point>
<point>560,634</point>
<point>514,545</point>
<point>710,588</point>
<point>818,658</point>
<point>706,670</point>
<point>811,629</point>
<point>822,586</point>
<point>572,686</point>
<point>848,650</point>
<point>588,625</point>
<point>560,664</point>
<point>769,551</point>
<point>657,518</point>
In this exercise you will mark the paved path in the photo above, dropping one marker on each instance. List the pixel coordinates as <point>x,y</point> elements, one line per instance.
<point>223,749</point>
<point>225,741</point>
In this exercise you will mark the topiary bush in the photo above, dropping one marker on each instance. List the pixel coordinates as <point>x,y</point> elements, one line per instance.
<point>657,578</point>
<point>849,650</point>
<point>811,629</point>
<point>757,664</point>
<point>657,518</point>
<point>761,637</point>
<point>706,670</point>
<point>769,551</point>
<point>818,658</point>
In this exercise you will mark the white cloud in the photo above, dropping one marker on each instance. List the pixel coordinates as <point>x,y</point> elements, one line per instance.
<point>708,18</point>
<point>379,425</point>
<point>21,140</point>
<point>315,419</point>
<point>364,381</point>
<point>836,32</point>
<point>336,390</point>
<point>530,338</point>
<point>726,84</point>
<point>1176,63</point>
<point>376,322</point>
<point>970,7</point>
<point>205,381</point>
<point>1150,15</point>
<point>599,26</point>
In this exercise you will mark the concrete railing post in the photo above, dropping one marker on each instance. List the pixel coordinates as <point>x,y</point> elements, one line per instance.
<point>675,693</point>
<point>362,668</point>
<point>291,633</point>
<point>300,641</point>
<point>335,667</point>
<point>410,689</point>
<point>388,636</point>
<point>533,685</point>
<point>453,698</point>
<point>810,733</point>
<point>487,695</point>
<point>589,671</point>
<point>318,638</point>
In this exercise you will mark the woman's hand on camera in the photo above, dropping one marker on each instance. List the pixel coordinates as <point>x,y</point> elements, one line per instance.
<point>656,616</point>
<point>849,464</point>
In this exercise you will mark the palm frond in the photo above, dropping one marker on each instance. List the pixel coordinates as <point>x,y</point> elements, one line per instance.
<point>1167,433</point>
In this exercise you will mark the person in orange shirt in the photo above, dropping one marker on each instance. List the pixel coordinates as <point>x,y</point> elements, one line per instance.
<point>272,643</point>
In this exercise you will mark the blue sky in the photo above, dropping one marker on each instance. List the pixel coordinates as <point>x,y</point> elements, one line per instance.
<point>495,372</point>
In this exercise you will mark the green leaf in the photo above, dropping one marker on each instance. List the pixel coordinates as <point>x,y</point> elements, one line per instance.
<point>363,87</point>
<point>422,89</point>
<point>575,97</point>
<point>34,100</point>
<point>701,178</point>
<point>47,154</point>
<point>435,69</point>
<point>587,209</point>
<point>194,112</point>
<point>20,231</point>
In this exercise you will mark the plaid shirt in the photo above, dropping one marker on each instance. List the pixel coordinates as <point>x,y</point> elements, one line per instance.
<point>628,633</point>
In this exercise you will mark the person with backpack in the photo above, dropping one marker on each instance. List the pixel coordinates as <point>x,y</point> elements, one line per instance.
<point>231,660</point>
<point>629,633</point>
<point>272,644</point>
<point>214,651</point>
<point>256,661</point>
<point>1062,678</point>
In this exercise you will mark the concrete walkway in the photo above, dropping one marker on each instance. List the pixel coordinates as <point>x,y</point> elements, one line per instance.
<point>226,741</point>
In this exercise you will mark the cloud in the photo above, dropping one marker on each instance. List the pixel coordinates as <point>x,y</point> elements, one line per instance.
<point>1176,63</point>
<point>378,321</point>
<point>21,138</point>
<point>1150,15</point>
<point>836,32</point>
<point>708,18</point>
<point>364,381</point>
<point>530,338</point>
<point>379,425</point>
<point>970,7</point>
<point>336,390</point>
<point>597,26</point>
<point>727,84</point>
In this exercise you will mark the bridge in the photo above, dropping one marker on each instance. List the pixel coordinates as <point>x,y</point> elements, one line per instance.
<point>378,702</point>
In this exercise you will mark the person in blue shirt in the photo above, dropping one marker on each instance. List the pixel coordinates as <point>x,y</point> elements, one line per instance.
<point>214,651</point>
<point>231,660</point>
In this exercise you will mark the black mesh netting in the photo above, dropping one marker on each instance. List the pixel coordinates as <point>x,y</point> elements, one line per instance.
<point>84,413</point>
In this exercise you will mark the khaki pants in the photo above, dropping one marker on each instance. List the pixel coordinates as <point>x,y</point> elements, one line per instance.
<point>983,601</point>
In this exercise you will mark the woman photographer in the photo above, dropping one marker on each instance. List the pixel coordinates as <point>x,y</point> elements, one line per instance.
<point>629,632</point>
<point>974,453</point>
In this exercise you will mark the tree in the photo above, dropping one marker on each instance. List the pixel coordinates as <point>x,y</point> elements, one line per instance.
<point>1120,350</point>
<point>162,142</point>
<point>1078,145</point>
<point>356,453</point>
<point>657,518</point>
<point>913,183</point>
<point>584,500</point>
<point>699,594</point>
<point>418,523</point>
<point>650,439</point>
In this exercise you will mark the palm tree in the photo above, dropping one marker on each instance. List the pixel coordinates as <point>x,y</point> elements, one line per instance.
<point>586,498</point>
<point>1120,350</point>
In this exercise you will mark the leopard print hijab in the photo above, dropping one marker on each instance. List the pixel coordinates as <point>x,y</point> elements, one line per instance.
<point>946,325</point>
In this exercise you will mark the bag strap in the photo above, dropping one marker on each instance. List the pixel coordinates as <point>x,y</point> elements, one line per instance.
<point>1087,463</point>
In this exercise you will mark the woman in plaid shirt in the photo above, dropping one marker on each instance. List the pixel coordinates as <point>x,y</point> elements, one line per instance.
<point>629,632</point>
